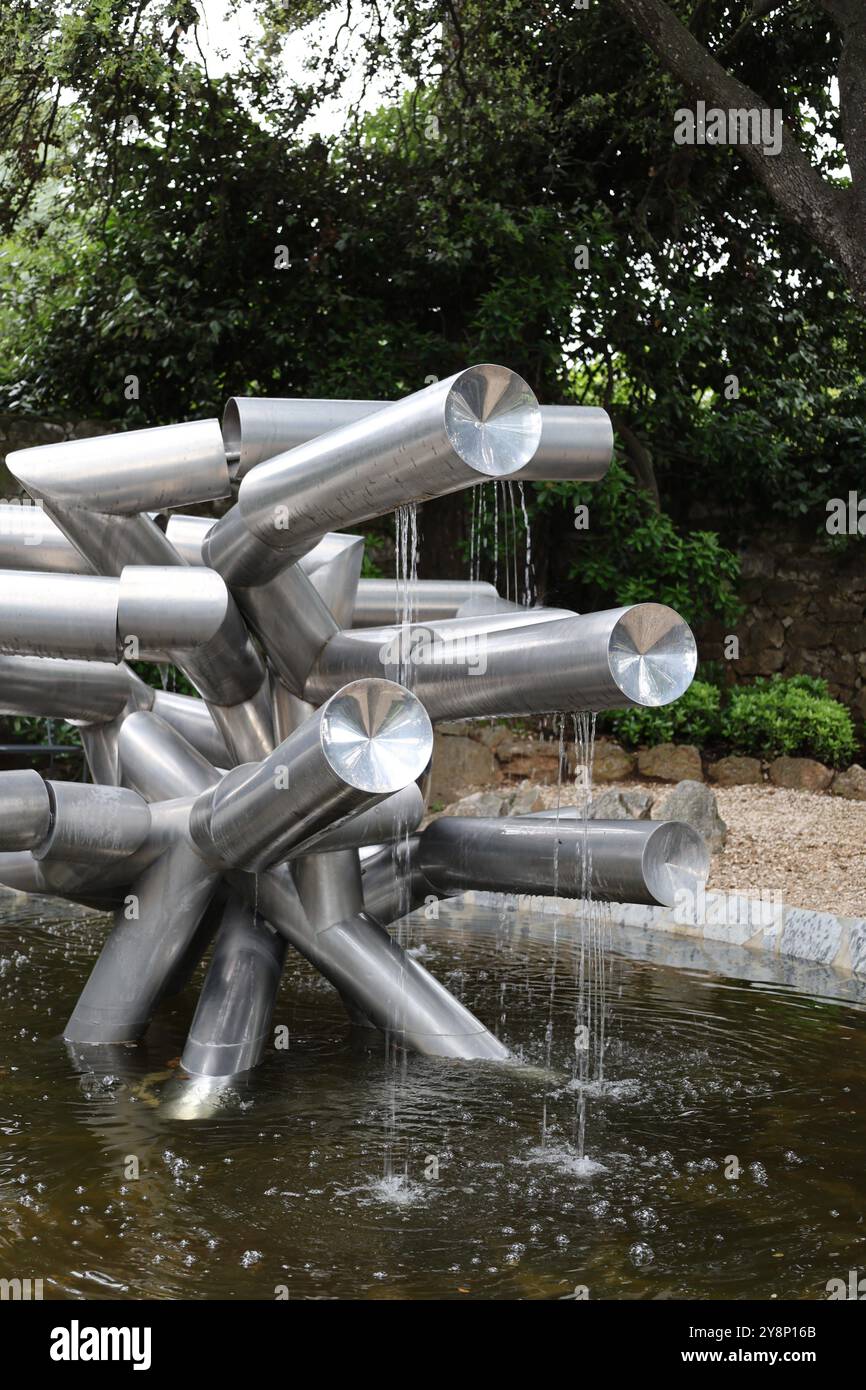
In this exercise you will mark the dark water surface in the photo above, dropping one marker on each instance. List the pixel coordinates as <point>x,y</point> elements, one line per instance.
<point>318,1177</point>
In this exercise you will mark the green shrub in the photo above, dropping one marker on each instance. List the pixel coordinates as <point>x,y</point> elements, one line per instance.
<point>793,716</point>
<point>694,718</point>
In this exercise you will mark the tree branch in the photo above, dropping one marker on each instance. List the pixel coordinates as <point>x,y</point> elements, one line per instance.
<point>830,216</point>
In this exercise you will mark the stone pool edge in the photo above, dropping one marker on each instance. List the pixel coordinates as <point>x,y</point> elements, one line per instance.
<point>769,928</point>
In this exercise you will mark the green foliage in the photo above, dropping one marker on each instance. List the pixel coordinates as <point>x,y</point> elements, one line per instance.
<point>790,715</point>
<point>632,553</point>
<point>694,718</point>
<point>793,716</point>
<point>30,729</point>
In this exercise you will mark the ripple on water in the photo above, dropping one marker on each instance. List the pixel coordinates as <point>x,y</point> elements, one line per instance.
<point>726,1148</point>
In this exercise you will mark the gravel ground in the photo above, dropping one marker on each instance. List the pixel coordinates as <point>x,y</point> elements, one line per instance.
<point>812,848</point>
<point>809,847</point>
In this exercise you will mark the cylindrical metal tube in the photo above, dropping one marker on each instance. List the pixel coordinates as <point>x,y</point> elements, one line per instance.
<point>292,622</point>
<point>232,1022</point>
<point>61,615</point>
<point>643,655</point>
<point>576,446</point>
<point>25,810</point>
<point>150,939</point>
<point>369,740</point>
<point>93,824</point>
<point>397,815</point>
<point>89,691</point>
<point>576,442</point>
<point>334,567</point>
<point>186,533</point>
<point>629,861</point>
<point>380,601</point>
<point>30,540</point>
<point>192,718</point>
<point>77,883</point>
<point>481,423</point>
<point>393,882</point>
<point>136,471</point>
<point>158,763</point>
<point>373,972</point>
<point>170,606</point>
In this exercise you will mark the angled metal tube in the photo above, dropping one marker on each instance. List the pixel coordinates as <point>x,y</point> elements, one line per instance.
<point>135,471</point>
<point>334,568</point>
<point>366,742</point>
<point>576,442</point>
<point>481,423</point>
<point>158,762</point>
<point>30,540</point>
<point>192,718</point>
<point>392,881</point>
<point>186,533</point>
<point>99,742</point>
<point>229,1030</point>
<point>77,883</point>
<point>292,622</point>
<point>629,861</point>
<point>319,907</point>
<point>397,815</point>
<point>143,954</point>
<point>372,971</point>
<point>232,1022</point>
<point>643,655</point>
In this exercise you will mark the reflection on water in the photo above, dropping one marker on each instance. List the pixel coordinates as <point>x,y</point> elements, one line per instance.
<point>280,1191</point>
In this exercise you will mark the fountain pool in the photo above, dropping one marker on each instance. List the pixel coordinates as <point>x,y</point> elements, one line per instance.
<point>725,1154</point>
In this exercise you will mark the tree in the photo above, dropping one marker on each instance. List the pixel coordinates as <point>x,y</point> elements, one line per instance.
<point>830,212</point>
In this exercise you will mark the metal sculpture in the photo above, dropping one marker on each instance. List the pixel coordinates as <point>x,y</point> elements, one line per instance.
<point>282,804</point>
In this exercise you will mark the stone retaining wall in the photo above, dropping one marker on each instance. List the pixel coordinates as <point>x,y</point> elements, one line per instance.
<point>805,614</point>
<point>469,754</point>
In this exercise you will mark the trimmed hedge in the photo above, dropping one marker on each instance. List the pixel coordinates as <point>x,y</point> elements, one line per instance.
<point>791,715</point>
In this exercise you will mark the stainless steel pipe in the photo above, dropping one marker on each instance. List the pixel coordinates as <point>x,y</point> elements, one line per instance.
<point>575,444</point>
<point>142,954</point>
<point>481,423</point>
<point>369,740</point>
<point>25,810</point>
<point>135,471</point>
<point>89,617</point>
<point>380,601</point>
<point>643,655</point>
<point>620,860</point>
<point>370,969</point>
<point>232,1022</point>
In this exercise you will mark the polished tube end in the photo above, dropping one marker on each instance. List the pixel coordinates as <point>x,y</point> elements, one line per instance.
<point>493,420</point>
<point>376,736</point>
<point>676,861</point>
<point>652,654</point>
